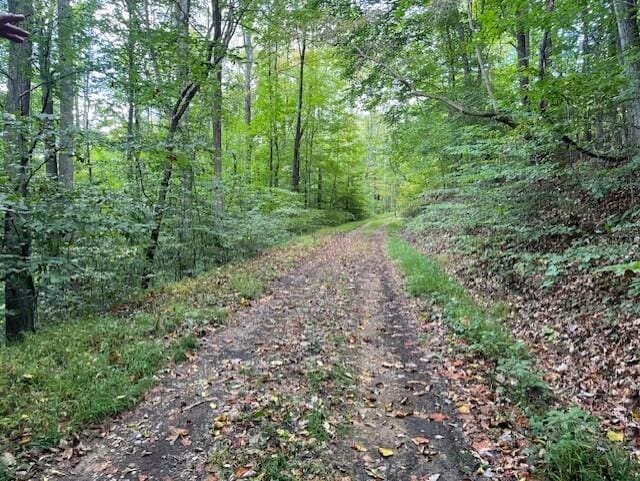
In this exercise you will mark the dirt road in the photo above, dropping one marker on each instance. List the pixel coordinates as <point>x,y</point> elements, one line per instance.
<point>323,378</point>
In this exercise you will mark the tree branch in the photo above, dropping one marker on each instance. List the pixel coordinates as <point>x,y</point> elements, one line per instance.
<point>501,117</point>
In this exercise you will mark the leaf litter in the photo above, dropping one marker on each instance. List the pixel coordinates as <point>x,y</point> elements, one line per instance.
<point>323,378</point>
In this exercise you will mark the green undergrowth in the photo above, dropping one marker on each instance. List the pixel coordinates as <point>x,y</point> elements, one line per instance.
<point>573,446</point>
<point>79,371</point>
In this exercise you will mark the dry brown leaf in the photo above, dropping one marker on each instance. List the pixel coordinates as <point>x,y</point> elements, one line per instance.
<point>438,417</point>
<point>418,441</point>
<point>244,473</point>
<point>174,433</point>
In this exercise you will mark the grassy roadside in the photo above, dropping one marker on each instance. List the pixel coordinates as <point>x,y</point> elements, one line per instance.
<point>80,371</point>
<point>573,448</point>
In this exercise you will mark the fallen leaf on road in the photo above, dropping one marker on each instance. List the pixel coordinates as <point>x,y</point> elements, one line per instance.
<point>401,414</point>
<point>615,436</point>
<point>374,473</point>
<point>385,452</point>
<point>464,409</point>
<point>419,441</point>
<point>359,447</point>
<point>175,433</point>
<point>438,417</point>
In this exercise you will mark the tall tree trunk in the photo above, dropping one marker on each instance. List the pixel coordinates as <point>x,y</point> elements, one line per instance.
<point>276,169</point>
<point>484,72</point>
<point>132,81</point>
<point>626,14</point>
<point>248,100</point>
<point>66,90</point>
<point>319,187</point>
<point>463,39</point>
<point>180,108</point>
<point>522,48</point>
<point>272,123</point>
<point>546,47</point>
<point>297,142</point>
<point>218,191</point>
<point>182,15</point>
<point>46,78</point>
<point>451,56</point>
<point>19,288</point>
<point>87,124</point>
<point>178,114</point>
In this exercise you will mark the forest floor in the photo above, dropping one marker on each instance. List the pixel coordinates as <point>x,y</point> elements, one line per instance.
<point>331,375</point>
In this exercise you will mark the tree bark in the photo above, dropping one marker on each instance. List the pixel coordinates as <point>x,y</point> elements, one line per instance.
<point>46,78</point>
<point>546,47</point>
<point>182,15</point>
<point>319,188</point>
<point>297,142</point>
<point>626,12</point>
<point>180,108</point>
<point>522,48</point>
<point>484,72</point>
<point>66,91</point>
<point>19,289</point>
<point>218,191</point>
<point>248,100</point>
<point>132,81</point>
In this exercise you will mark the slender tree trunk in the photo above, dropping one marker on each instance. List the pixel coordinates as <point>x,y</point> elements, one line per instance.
<point>248,100</point>
<point>522,48</point>
<point>586,50</point>
<point>297,142</point>
<point>272,123</point>
<point>319,187</point>
<point>132,82</point>
<point>546,47</point>
<point>46,78</point>
<point>276,170</point>
<point>451,57</point>
<point>87,124</point>
<point>66,89</point>
<point>217,108</point>
<point>178,114</point>
<point>180,108</point>
<point>484,72</point>
<point>19,288</point>
<point>182,15</point>
<point>462,39</point>
<point>626,14</point>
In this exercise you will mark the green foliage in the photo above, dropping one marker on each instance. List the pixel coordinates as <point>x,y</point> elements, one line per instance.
<point>524,382</point>
<point>574,450</point>
<point>184,345</point>
<point>247,285</point>
<point>315,424</point>
<point>50,388</point>
<point>486,335</point>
